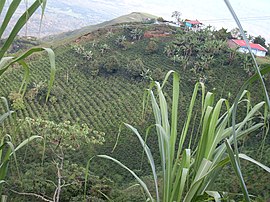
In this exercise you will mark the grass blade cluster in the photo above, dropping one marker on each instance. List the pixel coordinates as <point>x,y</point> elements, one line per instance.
<point>188,172</point>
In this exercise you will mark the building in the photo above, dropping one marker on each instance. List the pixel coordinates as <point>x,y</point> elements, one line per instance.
<point>193,24</point>
<point>241,46</point>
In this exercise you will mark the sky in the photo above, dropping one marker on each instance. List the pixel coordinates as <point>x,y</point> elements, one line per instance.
<point>254,15</point>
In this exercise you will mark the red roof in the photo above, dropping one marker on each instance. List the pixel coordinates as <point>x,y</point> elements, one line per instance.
<point>193,22</point>
<point>256,46</point>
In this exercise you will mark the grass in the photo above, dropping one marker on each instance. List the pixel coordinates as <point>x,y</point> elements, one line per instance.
<point>263,60</point>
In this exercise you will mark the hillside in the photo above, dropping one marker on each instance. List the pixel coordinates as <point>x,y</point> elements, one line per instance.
<point>132,17</point>
<point>102,74</point>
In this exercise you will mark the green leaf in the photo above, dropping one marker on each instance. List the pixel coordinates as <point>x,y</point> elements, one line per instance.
<point>244,156</point>
<point>11,10</point>
<point>237,170</point>
<point>30,52</point>
<point>140,181</point>
<point>2,4</point>
<point>215,195</point>
<point>18,26</point>
<point>149,156</point>
<point>25,142</point>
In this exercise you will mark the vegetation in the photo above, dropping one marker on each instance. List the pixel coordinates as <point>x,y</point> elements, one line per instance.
<point>100,82</point>
<point>189,172</point>
<point>7,148</point>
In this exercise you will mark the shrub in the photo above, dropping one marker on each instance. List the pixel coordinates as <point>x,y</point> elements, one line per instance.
<point>135,67</point>
<point>16,100</point>
<point>111,65</point>
<point>152,47</point>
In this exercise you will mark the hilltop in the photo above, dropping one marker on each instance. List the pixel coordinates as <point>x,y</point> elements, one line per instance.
<point>129,18</point>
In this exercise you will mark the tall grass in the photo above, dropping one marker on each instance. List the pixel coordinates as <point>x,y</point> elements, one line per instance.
<point>189,171</point>
<point>235,160</point>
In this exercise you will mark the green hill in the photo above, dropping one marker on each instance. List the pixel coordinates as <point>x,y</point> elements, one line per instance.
<point>102,75</point>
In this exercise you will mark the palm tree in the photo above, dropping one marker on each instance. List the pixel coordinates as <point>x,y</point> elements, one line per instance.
<point>104,48</point>
<point>88,55</point>
<point>119,41</point>
<point>136,34</point>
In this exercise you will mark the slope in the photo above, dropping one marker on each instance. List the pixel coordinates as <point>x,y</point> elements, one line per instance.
<point>132,17</point>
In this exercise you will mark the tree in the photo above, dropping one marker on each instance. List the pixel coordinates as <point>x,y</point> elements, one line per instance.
<point>120,41</point>
<point>222,34</point>
<point>135,67</point>
<point>112,64</point>
<point>236,34</point>
<point>176,15</point>
<point>160,19</point>
<point>152,47</point>
<point>260,40</point>
<point>136,34</point>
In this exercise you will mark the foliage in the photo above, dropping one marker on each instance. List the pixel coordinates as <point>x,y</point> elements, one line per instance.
<point>136,34</point>
<point>86,54</point>
<point>222,34</point>
<point>198,51</point>
<point>57,175</point>
<point>103,101</point>
<point>188,171</point>
<point>259,40</point>
<point>177,15</point>
<point>104,48</point>
<point>69,136</point>
<point>16,100</point>
<point>120,41</point>
<point>7,148</point>
<point>135,67</point>
<point>152,47</point>
<point>111,65</point>
<point>160,19</point>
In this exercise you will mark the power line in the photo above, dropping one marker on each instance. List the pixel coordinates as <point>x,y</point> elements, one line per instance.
<point>255,18</point>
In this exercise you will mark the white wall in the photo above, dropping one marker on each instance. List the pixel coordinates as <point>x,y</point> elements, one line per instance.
<point>254,51</point>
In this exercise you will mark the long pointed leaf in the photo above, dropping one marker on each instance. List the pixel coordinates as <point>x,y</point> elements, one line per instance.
<point>134,174</point>
<point>18,26</point>
<point>237,170</point>
<point>244,156</point>
<point>11,10</point>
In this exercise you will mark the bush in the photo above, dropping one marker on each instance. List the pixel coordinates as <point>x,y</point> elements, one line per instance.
<point>16,100</point>
<point>135,67</point>
<point>111,65</point>
<point>152,47</point>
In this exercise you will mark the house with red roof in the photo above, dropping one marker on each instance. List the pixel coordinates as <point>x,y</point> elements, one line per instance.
<point>193,24</point>
<point>241,46</point>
